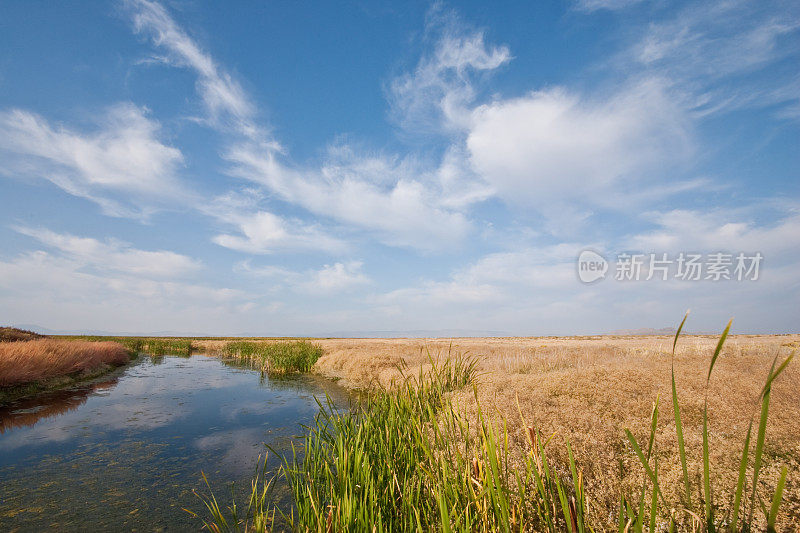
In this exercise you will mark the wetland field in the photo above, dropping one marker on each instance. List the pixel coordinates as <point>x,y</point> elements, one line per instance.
<point>536,434</point>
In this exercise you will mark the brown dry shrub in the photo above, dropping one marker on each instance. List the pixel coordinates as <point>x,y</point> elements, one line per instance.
<point>15,334</point>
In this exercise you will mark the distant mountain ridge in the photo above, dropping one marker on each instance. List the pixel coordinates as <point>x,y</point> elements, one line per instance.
<point>653,331</point>
<point>102,333</point>
<point>416,334</point>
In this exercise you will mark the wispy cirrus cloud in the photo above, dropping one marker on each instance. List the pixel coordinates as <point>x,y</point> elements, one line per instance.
<point>225,100</point>
<point>716,53</point>
<point>122,165</point>
<point>436,96</point>
<point>62,282</point>
<point>115,255</point>
<point>408,211</point>
<point>498,278</point>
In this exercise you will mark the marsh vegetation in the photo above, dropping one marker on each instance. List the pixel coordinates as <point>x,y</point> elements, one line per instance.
<point>427,452</point>
<point>548,434</point>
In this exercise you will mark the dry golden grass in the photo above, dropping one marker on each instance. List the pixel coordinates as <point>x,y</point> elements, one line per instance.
<point>37,360</point>
<point>589,389</point>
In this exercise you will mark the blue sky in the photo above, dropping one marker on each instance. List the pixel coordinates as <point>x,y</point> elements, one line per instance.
<point>284,168</point>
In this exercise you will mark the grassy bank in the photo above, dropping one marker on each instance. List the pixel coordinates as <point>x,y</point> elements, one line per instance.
<point>274,357</point>
<point>414,457</point>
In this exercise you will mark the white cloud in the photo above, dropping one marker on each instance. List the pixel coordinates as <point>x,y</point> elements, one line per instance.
<point>501,277</point>
<point>552,149</point>
<point>264,232</point>
<point>124,156</point>
<point>89,284</point>
<point>115,255</point>
<point>713,231</point>
<point>48,278</point>
<point>336,278</point>
<point>718,38</point>
<point>330,279</point>
<point>594,5</point>
<point>405,213</point>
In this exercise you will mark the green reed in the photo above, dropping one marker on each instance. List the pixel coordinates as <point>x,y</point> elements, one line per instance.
<point>275,357</point>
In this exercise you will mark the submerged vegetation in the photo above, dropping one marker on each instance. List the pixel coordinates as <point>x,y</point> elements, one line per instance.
<point>275,357</point>
<point>410,458</point>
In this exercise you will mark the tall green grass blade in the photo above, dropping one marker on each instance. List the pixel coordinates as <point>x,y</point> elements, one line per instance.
<point>654,501</point>
<point>776,501</point>
<point>709,510</point>
<point>762,428</point>
<point>639,524</point>
<point>621,521</point>
<point>645,464</point>
<point>718,349</point>
<point>709,514</point>
<point>678,332</point>
<point>737,500</point>
<point>678,424</point>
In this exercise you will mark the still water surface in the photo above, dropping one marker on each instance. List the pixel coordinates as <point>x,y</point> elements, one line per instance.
<point>124,454</point>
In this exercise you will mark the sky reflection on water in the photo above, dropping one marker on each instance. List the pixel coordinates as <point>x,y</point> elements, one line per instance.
<point>124,454</point>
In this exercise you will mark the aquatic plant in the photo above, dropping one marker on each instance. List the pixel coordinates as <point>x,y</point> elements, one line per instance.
<point>275,357</point>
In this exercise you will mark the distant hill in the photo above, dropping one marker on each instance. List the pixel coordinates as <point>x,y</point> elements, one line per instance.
<point>104,333</point>
<point>414,334</point>
<point>653,331</point>
<point>365,334</point>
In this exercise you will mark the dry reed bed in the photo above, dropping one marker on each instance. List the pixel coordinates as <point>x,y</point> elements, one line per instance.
<point>588,389</point>
<point>37,360</point>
